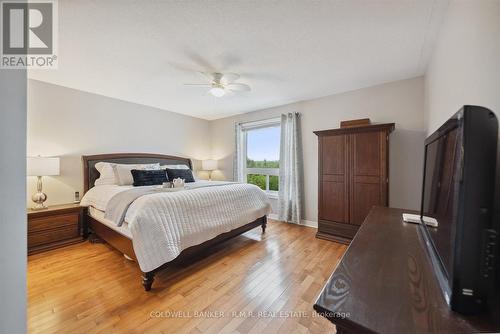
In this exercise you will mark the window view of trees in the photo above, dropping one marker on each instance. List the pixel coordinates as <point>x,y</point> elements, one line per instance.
<point>262,158</point>
<point>260,181</point>
<point>263,164</point>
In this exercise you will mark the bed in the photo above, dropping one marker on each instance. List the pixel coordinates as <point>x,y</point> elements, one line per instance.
<point>162,228</point>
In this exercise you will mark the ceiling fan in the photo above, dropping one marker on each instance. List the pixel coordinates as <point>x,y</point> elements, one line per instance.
<point>221,84</point>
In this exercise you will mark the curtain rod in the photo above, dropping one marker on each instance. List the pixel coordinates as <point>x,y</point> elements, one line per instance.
<point>267,119</point>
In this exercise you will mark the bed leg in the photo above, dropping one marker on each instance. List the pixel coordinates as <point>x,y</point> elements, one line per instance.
<point>147,280</point>
<point>264,225</point>
<point>94,239</point>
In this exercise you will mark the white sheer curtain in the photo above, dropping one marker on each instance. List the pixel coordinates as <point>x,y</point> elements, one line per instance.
<point>238,161</point>
<point>291,169</point>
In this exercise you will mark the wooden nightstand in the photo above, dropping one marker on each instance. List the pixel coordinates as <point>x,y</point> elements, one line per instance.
<point>57,226</point>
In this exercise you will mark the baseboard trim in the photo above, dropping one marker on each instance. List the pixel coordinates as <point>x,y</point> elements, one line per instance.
<point>303,222</point>
<point>334,238</point>
<point>272,216</point>
<point>309,223</point>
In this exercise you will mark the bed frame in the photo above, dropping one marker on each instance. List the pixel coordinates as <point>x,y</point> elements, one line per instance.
<point>124,244</point>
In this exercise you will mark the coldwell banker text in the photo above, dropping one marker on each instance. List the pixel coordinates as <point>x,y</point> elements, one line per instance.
<point>29,34</point>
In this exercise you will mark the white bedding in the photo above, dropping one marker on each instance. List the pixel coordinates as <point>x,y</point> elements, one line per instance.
<point>164,224</point>
<point>99,216</point>
<point>99,196</point>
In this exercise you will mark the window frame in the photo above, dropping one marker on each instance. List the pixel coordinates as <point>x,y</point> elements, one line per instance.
<point>245,128</point>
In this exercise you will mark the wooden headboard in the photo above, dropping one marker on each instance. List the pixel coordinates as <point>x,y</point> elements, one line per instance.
<point>90,173</point>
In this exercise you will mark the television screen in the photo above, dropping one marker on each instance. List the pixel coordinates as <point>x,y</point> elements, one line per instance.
<point>441,190</point>
<point>458,192</point>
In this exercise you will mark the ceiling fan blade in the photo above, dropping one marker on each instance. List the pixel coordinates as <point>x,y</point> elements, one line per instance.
<point>229,78</point>
<point>238,87</point>
<point>208,76</point>
<point>229,93</point>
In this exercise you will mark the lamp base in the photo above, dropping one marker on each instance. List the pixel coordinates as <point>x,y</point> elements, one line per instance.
<point>39,207</point>
<point>39,198</point>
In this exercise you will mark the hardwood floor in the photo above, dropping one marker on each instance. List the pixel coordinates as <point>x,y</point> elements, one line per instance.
<point>90,288</point>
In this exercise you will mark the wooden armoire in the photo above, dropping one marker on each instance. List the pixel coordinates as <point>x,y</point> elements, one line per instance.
<point>353,166</point>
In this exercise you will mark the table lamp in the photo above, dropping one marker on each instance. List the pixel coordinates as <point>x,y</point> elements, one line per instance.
<point>209,165</point>
<point>41,166</point>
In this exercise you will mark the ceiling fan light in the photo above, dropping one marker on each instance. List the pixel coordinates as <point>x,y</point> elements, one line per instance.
<point>217,91</point>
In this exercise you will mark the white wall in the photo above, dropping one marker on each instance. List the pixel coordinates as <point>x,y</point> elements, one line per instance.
<point>12,197</point>
<point>400,102</point>
<point>70,123</point>
<point>465,65</point>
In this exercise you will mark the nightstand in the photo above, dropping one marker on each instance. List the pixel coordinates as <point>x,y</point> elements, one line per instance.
<point>54,227</point>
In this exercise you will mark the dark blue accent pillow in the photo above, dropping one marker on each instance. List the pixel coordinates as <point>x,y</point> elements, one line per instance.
<point>149,177</point>
<point>185,174</point>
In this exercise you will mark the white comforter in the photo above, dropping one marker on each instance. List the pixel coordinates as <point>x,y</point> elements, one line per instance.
<point>164,224</point>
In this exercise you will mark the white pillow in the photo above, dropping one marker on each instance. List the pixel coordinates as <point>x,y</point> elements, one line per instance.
<point>109,175</point>
<point>124,175</point>
<point>174,166</point>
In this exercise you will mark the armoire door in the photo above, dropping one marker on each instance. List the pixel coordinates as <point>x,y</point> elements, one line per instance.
<point>368,183</point>
<point>334,200</point>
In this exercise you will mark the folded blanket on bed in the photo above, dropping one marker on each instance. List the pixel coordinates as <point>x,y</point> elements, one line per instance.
<point>163,224</point>
<point>118,205</point>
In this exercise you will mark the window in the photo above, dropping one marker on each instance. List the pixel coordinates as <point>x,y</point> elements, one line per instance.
<point>261,151</point>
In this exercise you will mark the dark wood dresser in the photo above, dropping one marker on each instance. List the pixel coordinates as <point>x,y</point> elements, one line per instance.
<point>54,227</point>
<point>385,284</point>
<point>353,176</point>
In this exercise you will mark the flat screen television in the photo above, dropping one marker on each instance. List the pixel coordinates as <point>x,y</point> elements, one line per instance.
<point>458,191</point>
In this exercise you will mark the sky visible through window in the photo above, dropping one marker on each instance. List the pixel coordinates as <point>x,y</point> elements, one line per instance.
<point>264,144</point>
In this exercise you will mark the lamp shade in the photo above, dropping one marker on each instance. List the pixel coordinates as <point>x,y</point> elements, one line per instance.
<point>42,166</point>
<point>209,164</point>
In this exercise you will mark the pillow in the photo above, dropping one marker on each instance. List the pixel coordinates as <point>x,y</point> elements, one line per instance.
<point>106,174</point>
<point>148,177</point>
<point>185,174</point>
<point>181,166</point>
<point>123,172</point>
<point>174,166</point>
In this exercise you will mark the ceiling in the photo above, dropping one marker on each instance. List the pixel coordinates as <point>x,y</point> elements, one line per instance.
<point>286,50</point>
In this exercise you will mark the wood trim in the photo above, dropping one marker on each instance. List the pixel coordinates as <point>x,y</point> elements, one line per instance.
<point>355,122</point>
<point>345,230</point>
<point>331,237</point>
<point>54,245</point>
<point>389,127</point>
<point>320,177</point>
<point>47,223</point>
<point>384,165</point>
<point>333,178</point>
<point>347,184</point>
<point>55,210</point>
<point>104,157</point>
<point>350,181</point>
<point>113,238</point>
